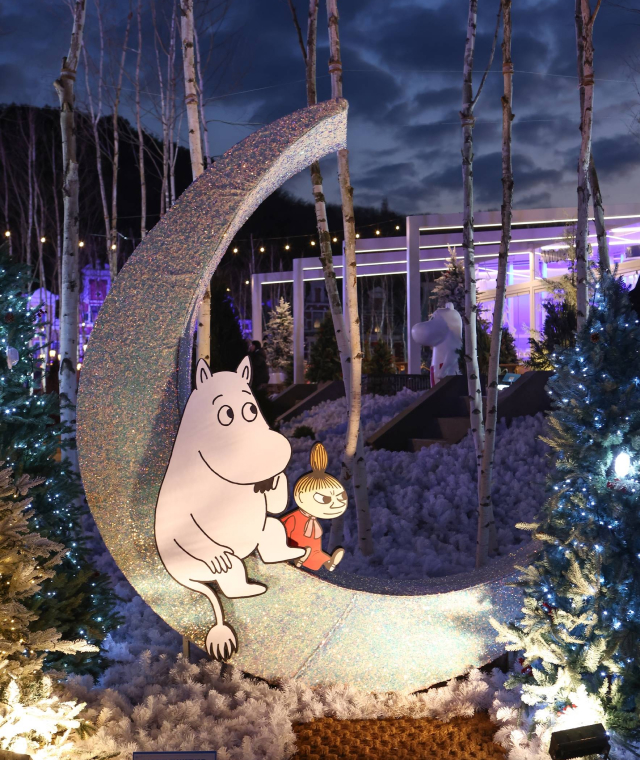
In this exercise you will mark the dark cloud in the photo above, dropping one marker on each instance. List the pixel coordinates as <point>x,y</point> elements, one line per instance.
<point>402,77</point>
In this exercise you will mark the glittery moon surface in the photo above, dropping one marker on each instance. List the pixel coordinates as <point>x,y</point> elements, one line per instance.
<point>135,380</point>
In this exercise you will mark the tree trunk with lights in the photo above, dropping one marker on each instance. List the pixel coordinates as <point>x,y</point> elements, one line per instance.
<point>486,524</point>
<point>195,150</point>
<point>64,86</point>
<point>584,36</point>
<point>354,464</point>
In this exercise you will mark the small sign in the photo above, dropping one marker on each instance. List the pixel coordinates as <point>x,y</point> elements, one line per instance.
<point>204,755</point>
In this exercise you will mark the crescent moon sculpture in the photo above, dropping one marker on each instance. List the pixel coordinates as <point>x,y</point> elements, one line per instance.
<point>376,635</point>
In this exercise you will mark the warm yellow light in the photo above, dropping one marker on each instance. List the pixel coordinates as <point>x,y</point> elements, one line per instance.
<point>235,250</point>
<point>313,242</point>
<point>59,357</point>
<point>81,244</point>
<point>286,248</point>
<point>113,247</point>
<point>79,366</point>
<point>228,290</point>
<point>357,234</point>
<point>397,226</point>
<point>52,352</point>
<point>7,234</point>
<point>335,240</point>
<point>261,249</point>
<point>43,240</point>
<point>377,232</point>
<point>246,282</point>
<point>84,348</point>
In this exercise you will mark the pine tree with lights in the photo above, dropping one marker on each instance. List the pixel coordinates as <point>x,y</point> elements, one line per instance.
<point>78,601</point>
<point>30,716</point>
<point>580,630</point>
<point>278,343</point>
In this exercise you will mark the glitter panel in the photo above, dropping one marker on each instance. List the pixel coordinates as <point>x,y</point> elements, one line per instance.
<point>134,382</point>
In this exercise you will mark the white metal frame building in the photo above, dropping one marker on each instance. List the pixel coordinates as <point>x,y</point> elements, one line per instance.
<point>425,248</point>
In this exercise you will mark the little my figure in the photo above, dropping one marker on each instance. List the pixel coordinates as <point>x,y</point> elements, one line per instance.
<point>318,495</point>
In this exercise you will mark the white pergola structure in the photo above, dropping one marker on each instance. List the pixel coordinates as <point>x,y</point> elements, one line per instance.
<point>425,248</point>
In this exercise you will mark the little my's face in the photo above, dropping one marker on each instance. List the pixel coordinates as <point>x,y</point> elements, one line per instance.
<point>322,502</point>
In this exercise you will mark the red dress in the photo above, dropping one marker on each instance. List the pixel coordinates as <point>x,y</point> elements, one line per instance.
<point>305,531</point>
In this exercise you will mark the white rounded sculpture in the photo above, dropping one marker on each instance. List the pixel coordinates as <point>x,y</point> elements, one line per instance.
<point>443,332</point>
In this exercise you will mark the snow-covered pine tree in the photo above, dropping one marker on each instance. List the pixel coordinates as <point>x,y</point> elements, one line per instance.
<point>449,287</point>
<point>581,618</point>
<point>278,343</point>
<point>78,601</point>
<point>30,716</point>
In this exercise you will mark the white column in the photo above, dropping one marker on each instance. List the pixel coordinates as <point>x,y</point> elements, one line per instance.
<point>414,311</point>
<point>298,321</point>
<point>532,292</point>
<point>256,307</point>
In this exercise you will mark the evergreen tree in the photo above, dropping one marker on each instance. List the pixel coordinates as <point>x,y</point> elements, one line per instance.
<point>30,715</point>
<point>580,631</point>
<point>228,347</point>
<point>324,358</point>
<point>78,601</point>
<point>558,333</point>
<point>278,343</point>
<point>379,361</point>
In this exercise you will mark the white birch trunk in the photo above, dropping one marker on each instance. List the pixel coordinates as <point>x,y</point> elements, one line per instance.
<point>143,179</point>
<point>115,160</point>
<point>64,86</point>
<point>471,303</point>
<point>486,539</point>
<point>95,121</point>
<point>195,150</point>
<point>354,463</point>
<point>584,36</point>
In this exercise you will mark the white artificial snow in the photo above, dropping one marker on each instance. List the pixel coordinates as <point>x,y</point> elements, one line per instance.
<point>424,504</point>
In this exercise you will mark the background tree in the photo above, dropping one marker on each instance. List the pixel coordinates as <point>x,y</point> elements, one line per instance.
<point>78,601</point>
<point>324,357</point>
<point>581,623</point>
<point>278,343</point>
<point>380,361</point>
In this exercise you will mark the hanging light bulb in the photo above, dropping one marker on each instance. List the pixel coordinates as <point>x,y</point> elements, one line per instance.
<point>622,464</point>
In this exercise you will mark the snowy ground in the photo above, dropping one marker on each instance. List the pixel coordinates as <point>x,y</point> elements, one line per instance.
<point>423,505</point>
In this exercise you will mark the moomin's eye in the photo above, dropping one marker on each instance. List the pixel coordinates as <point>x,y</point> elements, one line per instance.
<point>249,411</point>
<point>225,415</point>
<point>321,499</point>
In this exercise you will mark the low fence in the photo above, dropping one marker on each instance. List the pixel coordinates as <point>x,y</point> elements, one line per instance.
<point>389,385</point>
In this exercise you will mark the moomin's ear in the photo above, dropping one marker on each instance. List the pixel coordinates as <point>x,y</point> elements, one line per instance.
<point>203,373</point>
<point>244,369</point>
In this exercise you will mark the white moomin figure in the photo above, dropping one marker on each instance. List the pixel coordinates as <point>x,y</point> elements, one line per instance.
<point>225,476</point>
<point>443,332</point>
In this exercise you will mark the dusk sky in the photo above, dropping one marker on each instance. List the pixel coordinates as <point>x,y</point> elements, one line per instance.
<point>403,62</point>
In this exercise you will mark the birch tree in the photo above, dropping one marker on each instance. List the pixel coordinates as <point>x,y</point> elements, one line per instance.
<point>585,20</point>
<point>141,151</point>
<point>115,156</point>
<point>485,513</point>
<point>486,523</point>
<point>594,184</point>
<point>64,86</point>
<point>195,149</point>
<point>353,467</point>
